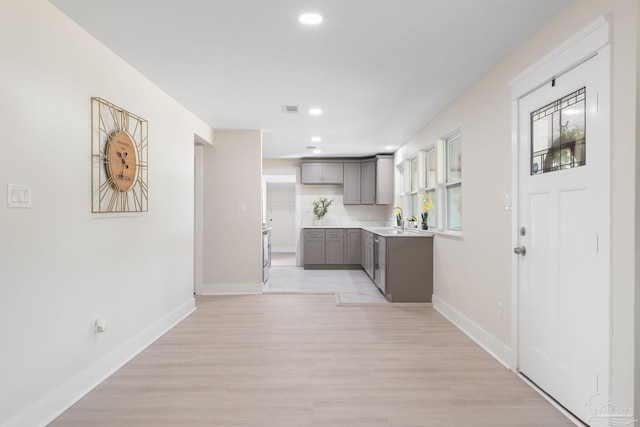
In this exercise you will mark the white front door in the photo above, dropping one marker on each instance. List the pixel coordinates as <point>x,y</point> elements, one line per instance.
<point>563,288</point>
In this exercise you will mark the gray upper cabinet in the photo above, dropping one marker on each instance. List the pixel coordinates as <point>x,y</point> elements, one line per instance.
<point>384,181</point>
<point>322,173</point>
<point>368,194</point>
<point>369,182</point>
<point>352,182</point>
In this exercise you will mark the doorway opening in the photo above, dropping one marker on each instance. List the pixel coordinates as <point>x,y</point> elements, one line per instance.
<point>281,215</point>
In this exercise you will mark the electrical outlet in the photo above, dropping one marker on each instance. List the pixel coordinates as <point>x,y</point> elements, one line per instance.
<point>500,312</point>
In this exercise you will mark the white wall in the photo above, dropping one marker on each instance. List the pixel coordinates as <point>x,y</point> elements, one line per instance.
<point>281,215</point>
<point>339,213</point>
<point>233,239</point>
<point>59,265</point>
<point>473,273</point>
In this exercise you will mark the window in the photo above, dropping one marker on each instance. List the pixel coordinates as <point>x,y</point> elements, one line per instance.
<point>453,181</point>
<point>429,184</point>
<point>409,187</point>
<point>415,209</point>
<point>434,174</point>
<point>558,134</point>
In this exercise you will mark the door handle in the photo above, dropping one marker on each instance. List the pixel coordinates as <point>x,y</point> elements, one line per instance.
<point>520,250</point>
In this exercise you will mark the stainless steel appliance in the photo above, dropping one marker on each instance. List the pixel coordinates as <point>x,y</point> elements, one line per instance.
<point>376,261</point>
<point>266,254</point>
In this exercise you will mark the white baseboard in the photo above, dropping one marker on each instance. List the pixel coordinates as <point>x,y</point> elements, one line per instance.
<point>48,408</point>
<point>230,289</point>
<point>493,346</point>
<point>283,249</point>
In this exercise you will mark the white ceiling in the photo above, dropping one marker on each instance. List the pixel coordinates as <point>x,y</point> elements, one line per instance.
<point>379,69</point>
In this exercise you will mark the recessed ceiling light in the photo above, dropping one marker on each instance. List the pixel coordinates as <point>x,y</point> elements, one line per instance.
<point>389,147</point>
<point>317,151</point>
<point>310,18</point>
<point>315,111</point>
<point>316,139</point>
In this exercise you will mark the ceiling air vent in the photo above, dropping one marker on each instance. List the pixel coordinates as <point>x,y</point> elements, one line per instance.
<point>290,109</point>
<point>310,147</point>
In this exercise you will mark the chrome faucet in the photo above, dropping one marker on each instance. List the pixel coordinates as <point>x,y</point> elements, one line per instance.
<point>400,221</point>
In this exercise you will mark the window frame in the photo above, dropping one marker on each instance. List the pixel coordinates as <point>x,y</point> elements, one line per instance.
<point>428,187</point>
<point>450,184</point>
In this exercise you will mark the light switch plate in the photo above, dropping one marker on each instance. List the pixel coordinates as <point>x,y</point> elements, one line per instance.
<point>18,196</point>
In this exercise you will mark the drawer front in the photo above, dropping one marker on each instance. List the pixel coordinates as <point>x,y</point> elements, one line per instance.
<point>313,233</point>
<point>367,237</point>
<point>335,234</point>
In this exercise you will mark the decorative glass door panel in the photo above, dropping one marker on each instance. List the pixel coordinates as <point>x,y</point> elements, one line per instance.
<point>558,134</point>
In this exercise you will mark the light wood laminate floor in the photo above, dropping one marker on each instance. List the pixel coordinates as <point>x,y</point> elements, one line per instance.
<point>298,360</point>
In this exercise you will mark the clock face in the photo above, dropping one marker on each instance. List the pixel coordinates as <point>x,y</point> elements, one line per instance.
<point>121,160</point>
<point>119,168</point>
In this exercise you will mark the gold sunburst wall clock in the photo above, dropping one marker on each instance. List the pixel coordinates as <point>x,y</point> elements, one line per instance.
<point>119,150</point>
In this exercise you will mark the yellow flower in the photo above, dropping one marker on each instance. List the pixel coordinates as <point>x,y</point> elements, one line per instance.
<point>427,203</point>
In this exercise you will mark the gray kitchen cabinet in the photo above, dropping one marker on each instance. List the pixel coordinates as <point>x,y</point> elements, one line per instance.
<point>384,181</point>
<point>362,249</point>
<point>352,246</point>
<point>368,193</point>
<point>407,272</point>
<point>367,253</point>
<point>314,247</point>
<point>352,183</point>
<point>369,181</point>
<point>334,249</point>
<point>322,173</point>
<point>380,277</point>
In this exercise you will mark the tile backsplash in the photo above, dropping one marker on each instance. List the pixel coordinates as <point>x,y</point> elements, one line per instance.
<point>340,214</point>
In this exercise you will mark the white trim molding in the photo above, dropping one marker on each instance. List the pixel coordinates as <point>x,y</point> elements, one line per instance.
<point>231,289</point>
<point>47,409</point>
<point>492,345</point>
<point>574,51</point>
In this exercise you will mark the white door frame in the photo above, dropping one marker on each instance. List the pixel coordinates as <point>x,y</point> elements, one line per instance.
<point>591,40</point>
<point>198,219</point>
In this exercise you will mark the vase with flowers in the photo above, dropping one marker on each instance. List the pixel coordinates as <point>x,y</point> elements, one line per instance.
<point>426,205</point>
<point>320,209</point>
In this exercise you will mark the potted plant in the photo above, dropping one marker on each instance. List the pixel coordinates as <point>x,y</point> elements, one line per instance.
<point>320,209</point>
<point>427,204</point>
<point>411,221</point>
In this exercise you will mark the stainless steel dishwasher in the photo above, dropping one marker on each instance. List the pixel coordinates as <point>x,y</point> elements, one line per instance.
<point>266,254</point>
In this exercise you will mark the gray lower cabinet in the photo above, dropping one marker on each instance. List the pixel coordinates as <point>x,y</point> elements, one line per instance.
<point>337,247</point>
<point>334,249</point>
<point>352,246</point>
<point>381,271</point>
<point>406,269</point>
<point>314,247</point>
<point>367,253</point>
